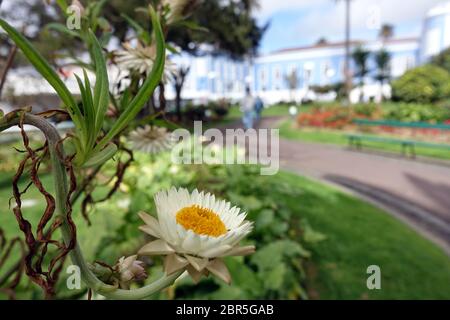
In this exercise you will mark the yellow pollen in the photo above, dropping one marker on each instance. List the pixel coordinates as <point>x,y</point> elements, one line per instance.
<point>201,221</point>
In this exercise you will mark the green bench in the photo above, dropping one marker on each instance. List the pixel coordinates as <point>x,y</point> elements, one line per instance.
<point>355,140</point>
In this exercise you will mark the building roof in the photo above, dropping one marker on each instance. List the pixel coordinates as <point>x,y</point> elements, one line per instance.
<point>330,45</point>
<point>440,9</point>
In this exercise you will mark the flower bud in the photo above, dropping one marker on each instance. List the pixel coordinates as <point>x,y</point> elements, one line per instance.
<point>131,269</point>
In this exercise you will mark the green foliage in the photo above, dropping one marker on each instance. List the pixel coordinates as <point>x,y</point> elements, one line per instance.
<point>276,271</point>
<point>365,109</point>
<point>412,112</point>
<point>360,57</point>
<point>442,60</point>
<point>89,120</point>
<point>425,84</point>
<point>335,268</point>
<point>382,61</point>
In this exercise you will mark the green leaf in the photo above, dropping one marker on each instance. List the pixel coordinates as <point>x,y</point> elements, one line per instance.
<point>310,235</point>
<point>172,49</point>
<point>274,278</point>
<point>62,5</point>
<point>62,29</point>
<point>47,72</point>
<point>264,219</point>
<point>88,108</point>
<point>191,25</point>
<point>142,33</point>
<point>101,89</point>
<point>147,88</point>
<point>101,157</point>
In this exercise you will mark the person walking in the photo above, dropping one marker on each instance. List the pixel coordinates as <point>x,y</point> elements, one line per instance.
<point>259,106</point>
<point>248,109</point>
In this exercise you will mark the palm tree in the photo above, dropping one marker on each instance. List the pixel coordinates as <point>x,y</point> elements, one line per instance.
<point>178,79</point>
<point>292,82</point>
<point>382,61</point>
<point>386,32</point>
<point>360,57</point>
<point>348,76</point>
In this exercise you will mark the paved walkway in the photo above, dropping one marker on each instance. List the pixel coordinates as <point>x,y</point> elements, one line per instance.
<point>416,192</point>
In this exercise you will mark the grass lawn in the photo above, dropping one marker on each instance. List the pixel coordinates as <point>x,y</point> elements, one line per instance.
<point>272,111</point>
<point>288,131</point>
<point>358,235</point>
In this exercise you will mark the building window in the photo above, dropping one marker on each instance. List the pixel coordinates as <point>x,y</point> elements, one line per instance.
<point>276,78</point>
<point>308,73</point>
<point>263,79</point>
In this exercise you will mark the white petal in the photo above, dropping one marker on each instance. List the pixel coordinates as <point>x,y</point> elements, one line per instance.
<point>240,251</point>
<point>147,229</point>
<point>173,263</point>
<point>215,252</point>
<point>155,248</point>
<point>195,275</point>
<point>218,268</point>
<point>191,242</point>
<point>198,263</point>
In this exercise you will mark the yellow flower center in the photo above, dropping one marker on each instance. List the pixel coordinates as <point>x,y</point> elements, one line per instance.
<point>201,221</point>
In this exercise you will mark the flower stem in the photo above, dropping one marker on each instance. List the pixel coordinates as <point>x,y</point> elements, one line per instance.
<point>61,191</point>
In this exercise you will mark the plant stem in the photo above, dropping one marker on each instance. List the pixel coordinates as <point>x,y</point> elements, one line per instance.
<point>61,191</point>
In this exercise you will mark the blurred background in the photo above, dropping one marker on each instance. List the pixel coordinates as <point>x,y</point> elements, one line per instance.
<point>360,91</point>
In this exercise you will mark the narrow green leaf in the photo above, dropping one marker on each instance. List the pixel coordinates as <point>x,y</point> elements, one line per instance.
<point>191,25</point>
<point>95,13</point>
<point>46,71</point>
<point>146,89</point>
<point>88,108</point>
<point>59,27</point>
<point>142,33</point>
<point>62,5</point>
<point>91,111</point>
<point>89,99</point>
<point>101,157</point>
<point>101,89</point>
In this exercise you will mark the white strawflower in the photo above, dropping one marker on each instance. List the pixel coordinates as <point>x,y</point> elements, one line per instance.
<point>151,139</point>
<point>141,59</point>
<point>177,9</point>
<point>195,230</point>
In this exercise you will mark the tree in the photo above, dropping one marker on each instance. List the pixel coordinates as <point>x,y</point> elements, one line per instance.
<point>347,73</point>
<point>424,84</point>
<point>292,81</point>
<point>442,60</point>
<point>214,21</point>
<point>322,41</point>
<point>360,57</point>
<point>386,32</point>
<point>179,76</point>
<point>382,62</point>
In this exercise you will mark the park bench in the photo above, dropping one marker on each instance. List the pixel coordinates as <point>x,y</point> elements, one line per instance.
<point>355,139</point>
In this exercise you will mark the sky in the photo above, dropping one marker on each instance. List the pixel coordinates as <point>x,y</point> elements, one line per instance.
<point>296,23</point>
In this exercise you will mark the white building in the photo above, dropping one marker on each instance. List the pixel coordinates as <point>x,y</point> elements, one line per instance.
<point>216,77</point>
<point>316,65</point>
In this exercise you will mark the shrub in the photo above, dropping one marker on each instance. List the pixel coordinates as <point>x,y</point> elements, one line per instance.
<point>425,84</point>
<point>336,118</point>
<point>365,110</point>
<point>411,112</point>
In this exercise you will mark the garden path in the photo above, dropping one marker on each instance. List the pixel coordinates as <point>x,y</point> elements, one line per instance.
<point>418,193</point>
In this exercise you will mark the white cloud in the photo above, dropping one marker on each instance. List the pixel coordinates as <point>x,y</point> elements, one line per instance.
<point>325,18</point>
<point>270,7</point>
<point>391,9</point>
